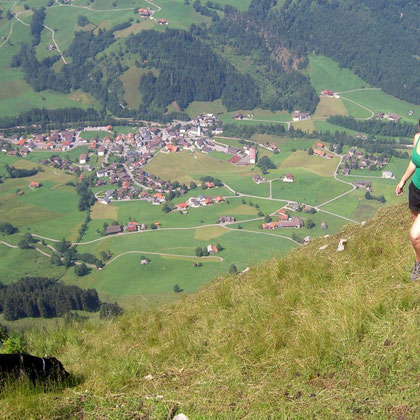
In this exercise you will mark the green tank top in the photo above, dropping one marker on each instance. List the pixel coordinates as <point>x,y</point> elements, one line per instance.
<point>415,158</point>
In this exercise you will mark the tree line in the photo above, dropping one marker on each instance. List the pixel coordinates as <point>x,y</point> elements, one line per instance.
<point>44,297</point>
<point>19,173</point>
<point>375,127</point>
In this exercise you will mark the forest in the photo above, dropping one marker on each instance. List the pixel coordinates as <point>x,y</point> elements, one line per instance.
<point>375,127</point>
<point>188,71</point>
<point>44,297</point>
<point>378,39</point>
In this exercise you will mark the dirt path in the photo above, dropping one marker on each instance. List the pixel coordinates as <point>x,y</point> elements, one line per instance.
<point>9,245</point>
<point>55,43</point>
<point>210,257</point>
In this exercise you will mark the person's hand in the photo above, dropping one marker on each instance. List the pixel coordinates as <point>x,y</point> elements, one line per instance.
<point>399,188</point>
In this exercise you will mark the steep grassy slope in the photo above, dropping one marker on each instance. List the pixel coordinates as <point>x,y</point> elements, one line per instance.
<point>316,334</point>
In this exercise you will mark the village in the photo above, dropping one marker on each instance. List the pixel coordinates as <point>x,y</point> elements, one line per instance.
<point>117,162</point>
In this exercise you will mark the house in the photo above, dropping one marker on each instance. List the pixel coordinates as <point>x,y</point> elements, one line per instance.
<point>393,117</point>
<point>182,206</point>
<point>101,173</point>
<point>288,178</point>
<point>299,116</point>
<point>162,22</point>
<point>308,209</point>
<point>327,92</point>
<point>283,216</point>
<point>273,147</point>
<point>110,230</point>
<point>320,145</point>
<point>238,116</point>
<point>144,13</point>
<point>82,158</point>
<point>363,184</point>
<point>132,227</point>
<point>209,184</point>
<point>172,148</point>
<point>388,175</point>
<point>211,249</point>
<point>105,200</point>
<point>235,159</point>
<point>208,201</point>
<point>258,179</point>
<point>144,261</point>
<point>324,225</point>
<point>219,199</point>
<point>92,145</point>
<point>101,151</point>
<point>318,152</point>
<point>34,184</point>
<point>252,155</point>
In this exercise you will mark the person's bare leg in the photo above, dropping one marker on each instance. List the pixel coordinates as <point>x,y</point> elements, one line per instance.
<point>415,242</point>
<point>414,215</point>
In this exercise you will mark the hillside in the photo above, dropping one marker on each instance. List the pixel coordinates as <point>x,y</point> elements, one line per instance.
<point>318,333</point>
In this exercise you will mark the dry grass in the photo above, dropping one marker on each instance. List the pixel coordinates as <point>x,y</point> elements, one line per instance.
<point>316,334</point>
<point>330,106</point>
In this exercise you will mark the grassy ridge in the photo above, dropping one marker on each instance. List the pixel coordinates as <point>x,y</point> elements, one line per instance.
<point>314,334</point>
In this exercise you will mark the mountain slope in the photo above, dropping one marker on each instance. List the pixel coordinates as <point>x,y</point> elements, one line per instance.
<point>317,333</point>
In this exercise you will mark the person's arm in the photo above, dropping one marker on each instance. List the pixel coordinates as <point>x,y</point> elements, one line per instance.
<point>407,174</point>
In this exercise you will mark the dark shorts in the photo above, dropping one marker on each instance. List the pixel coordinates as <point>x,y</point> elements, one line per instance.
<point>414,198</point>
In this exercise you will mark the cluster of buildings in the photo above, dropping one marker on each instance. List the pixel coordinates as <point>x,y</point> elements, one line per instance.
<point>355,159</point>
<point>321,150</point>
<point>200,201</point>
<point>284,221</point>
<point>390,117</point>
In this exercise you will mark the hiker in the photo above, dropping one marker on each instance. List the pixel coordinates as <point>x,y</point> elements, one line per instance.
<point>413,201</point>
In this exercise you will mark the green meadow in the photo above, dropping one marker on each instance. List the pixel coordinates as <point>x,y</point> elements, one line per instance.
<point>325,73</point>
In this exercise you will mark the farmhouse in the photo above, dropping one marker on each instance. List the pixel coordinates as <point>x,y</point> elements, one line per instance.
<point>294,222</point>
<point>110,230</point>
<point>82,158</point>
<point>211,249</point>
<point>363,184</point>
<point>299,116</point>
<point>318,152</point>
<point>144,13</point>
<point>258,179</point>
<point>327,92</point>
<point>393,117</point>
<point>288,178</point>
<point>34,184</point>
<point>162,22</point>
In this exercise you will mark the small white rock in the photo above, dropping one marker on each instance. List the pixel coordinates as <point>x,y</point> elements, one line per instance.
<point>323,247</point>
<point>148,377</point>
<point>341,245</point>
<point>180,416</point>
